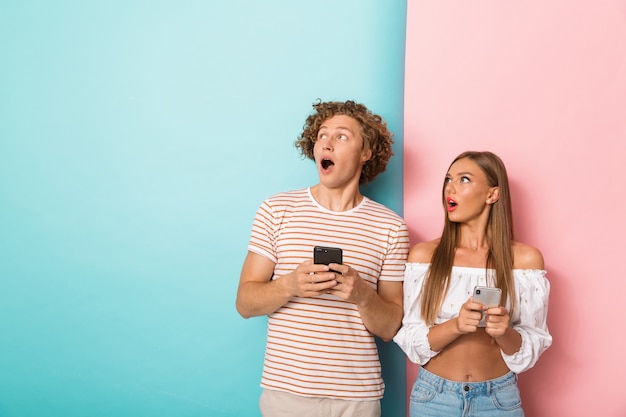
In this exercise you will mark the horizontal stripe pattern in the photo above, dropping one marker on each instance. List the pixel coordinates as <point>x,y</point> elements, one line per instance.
<point>319,346</point>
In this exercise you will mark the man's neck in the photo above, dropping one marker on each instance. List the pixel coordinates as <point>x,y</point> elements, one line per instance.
<point>336,199</point>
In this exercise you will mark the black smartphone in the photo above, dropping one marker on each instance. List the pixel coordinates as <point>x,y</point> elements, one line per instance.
<point>327,255</point>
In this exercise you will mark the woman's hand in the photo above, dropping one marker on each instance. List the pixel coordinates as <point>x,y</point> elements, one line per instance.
<point>498,321</point>
<point>469,316</point>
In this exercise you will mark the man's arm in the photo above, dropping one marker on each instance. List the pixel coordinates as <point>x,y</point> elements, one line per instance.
<point>259,295</point>
<point>382,312</point>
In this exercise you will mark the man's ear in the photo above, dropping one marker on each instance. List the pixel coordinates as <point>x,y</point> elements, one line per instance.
<point>366,155</point>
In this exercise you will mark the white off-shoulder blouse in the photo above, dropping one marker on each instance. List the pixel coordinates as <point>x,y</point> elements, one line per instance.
<point>529,318</point>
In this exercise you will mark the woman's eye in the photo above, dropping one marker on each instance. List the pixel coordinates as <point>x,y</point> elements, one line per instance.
<point>447,180</point>
<point>465,179</point>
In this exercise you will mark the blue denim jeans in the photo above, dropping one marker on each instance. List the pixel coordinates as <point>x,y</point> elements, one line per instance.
<point>433,396</point>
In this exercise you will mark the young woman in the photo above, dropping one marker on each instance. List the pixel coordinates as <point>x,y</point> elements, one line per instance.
<point>466,369</point>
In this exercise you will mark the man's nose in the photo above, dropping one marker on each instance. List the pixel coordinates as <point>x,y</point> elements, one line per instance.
<point>326,143</point>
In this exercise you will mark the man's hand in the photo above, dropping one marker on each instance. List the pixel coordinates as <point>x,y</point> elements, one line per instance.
<point>310,280</point>
<point>349,285</point>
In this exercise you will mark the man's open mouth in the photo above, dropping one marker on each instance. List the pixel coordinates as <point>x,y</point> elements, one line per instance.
<point>327,163</point>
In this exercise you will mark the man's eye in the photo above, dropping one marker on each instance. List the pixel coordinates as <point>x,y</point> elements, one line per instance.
<point>342,137</point>
<point>321,136</point>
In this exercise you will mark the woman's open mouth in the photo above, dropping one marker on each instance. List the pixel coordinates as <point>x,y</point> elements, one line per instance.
<point>451,204</point>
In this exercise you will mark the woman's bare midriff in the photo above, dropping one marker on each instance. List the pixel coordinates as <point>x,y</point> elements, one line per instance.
<point>472,357</point>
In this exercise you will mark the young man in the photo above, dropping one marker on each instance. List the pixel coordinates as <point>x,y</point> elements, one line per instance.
<point>321,357</point>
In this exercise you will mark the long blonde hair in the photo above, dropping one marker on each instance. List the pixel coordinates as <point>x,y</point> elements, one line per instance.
<point>500,238</point>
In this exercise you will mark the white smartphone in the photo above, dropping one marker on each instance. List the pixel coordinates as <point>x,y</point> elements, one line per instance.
<point>488,296</point>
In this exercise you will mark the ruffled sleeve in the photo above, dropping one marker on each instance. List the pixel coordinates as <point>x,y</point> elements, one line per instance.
<point>531,312</point>
<point>413,335</point>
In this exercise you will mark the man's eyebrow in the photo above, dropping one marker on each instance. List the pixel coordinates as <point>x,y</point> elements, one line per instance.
<point>337,128</point>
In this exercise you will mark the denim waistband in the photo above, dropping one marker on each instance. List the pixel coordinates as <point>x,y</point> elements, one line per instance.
<point>476,388</point>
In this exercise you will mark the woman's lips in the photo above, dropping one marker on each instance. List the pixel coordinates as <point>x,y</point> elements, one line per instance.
<point>451,204</point>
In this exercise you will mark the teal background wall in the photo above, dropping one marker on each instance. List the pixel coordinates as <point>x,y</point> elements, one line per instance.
<point>137,139</point>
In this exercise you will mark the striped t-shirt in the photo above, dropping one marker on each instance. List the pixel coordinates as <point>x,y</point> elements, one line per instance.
<point>318,346</point>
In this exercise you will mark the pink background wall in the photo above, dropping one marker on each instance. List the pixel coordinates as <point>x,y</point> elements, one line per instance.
<point>542,84</point>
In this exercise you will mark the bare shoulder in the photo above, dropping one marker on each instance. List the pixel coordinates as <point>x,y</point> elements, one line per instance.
<point>423,252</point>
<point>526,257</point>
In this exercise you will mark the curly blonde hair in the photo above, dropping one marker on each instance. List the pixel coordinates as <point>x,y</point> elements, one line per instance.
<point>373,130</point>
